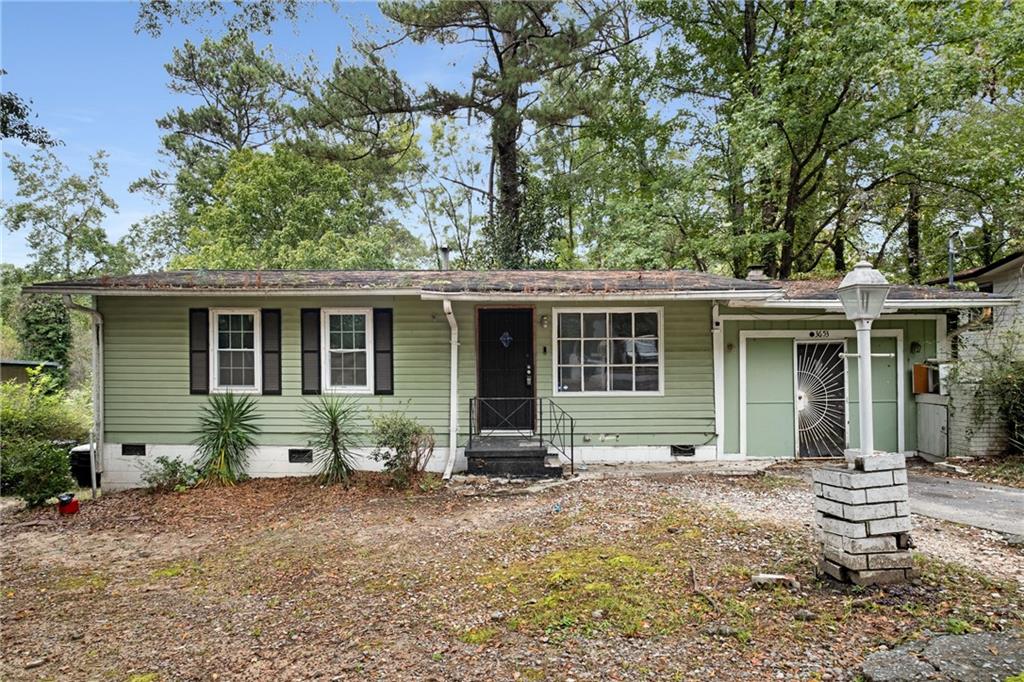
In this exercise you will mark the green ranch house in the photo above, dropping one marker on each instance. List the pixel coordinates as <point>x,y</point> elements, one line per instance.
<point>515,371</point>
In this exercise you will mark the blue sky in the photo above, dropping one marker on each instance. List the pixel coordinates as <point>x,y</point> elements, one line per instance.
<point>96,84</point>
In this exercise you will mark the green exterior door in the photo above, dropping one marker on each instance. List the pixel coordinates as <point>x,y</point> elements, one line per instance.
<point>885,395</point>
<point>770,427</point>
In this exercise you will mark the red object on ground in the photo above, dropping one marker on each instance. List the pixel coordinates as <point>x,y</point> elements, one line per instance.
<point>67,507</point>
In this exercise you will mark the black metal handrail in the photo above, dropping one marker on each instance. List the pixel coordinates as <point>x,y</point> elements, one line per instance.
<point>553,426</point>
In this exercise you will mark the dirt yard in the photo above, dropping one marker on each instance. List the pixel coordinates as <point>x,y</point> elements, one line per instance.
<point>622,579</point>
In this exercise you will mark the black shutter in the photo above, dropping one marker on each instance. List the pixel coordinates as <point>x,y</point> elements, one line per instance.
<point>270,329</point>
<point>383,351</point>
<point>198,351</point>
<point>310,351</point>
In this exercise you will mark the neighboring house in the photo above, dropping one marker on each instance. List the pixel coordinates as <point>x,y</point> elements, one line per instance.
<point>17,370</point>
<point>625,366</point>
<point>974,427</point>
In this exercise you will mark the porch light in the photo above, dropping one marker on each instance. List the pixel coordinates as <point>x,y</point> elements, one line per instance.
<point>862,293</point>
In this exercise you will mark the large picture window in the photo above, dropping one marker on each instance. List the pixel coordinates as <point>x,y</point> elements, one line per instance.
<point>348,346</point>
<point>608,351</point>
<point>236,344</point>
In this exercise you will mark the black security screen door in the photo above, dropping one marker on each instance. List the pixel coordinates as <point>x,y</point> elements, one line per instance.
<point>505,357</point>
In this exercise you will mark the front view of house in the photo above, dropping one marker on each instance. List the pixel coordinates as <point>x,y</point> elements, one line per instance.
<point>587,366</point>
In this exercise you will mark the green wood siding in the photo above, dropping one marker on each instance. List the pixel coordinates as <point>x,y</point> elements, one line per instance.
<point>146,367</point>
<point>146,372</point>
<point>685,414</point>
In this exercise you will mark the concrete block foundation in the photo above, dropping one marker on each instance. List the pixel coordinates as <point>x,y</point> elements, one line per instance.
<point>863,521</point>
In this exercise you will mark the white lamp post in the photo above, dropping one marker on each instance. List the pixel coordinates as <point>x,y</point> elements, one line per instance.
<point>862,293</point>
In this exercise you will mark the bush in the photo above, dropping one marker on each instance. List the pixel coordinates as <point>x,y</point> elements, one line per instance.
<point>40,410</point>
<point>166,474</point>
<point>998,373</point>
<point>1007,387</point>
<point>403,445</point>
<point>332,420</point>
<point>37,424</point>
<point>227,434</point>
<point>35,470</point>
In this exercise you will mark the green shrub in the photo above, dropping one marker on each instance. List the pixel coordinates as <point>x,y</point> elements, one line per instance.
<point>999,376</point>
<point>332,420</point>
<point>403,445</point>
<point>227,435</point>
<point>37,423</point>
<point>166,474</point>
<point>35,470</point>
<point>1007,388</point>
<point>38,409</point>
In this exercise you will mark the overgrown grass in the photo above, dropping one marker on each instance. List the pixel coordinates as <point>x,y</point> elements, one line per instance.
<point>478,635</point>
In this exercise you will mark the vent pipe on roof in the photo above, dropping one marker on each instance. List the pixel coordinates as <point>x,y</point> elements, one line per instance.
<point>755,273</point>
<point>445,260</point>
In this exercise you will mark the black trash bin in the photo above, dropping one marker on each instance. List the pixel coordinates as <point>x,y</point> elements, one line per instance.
<point>80,466</point>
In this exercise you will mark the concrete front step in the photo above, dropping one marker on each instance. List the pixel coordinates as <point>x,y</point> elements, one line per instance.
<point>511,457</point>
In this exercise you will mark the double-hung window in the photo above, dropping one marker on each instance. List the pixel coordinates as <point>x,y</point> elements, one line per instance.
<point>235,339</point>
<point>348,350</point>
<point>608,351</point>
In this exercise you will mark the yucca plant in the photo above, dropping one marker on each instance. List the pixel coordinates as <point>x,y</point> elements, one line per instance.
<point>227,434</point>
<point>332,422</point>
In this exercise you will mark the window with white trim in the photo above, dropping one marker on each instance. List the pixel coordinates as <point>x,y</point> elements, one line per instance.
<point>608,351</point>
<point>348,350</point>
<point>236,350</point>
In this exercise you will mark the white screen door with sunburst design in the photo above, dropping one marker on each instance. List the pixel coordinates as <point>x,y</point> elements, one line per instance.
<point>821,398</point>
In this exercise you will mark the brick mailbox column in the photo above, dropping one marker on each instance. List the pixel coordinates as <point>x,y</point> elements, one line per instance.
<point>863,520</point>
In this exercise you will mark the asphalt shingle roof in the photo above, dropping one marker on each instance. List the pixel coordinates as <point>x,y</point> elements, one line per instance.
<point>484,282</point>
<point>441,281</point>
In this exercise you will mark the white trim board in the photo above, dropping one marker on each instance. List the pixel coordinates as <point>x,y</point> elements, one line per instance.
<point>942,342</point>
<point>325,351</point>
<point>257,351</point>
<point>811,334</point>
<point>718,368</point>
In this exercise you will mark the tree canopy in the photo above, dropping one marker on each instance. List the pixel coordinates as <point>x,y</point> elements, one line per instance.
<point>708,134</point>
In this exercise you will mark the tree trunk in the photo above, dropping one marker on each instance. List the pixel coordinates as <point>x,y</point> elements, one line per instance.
<point>789,221</point>
<point>838,245</point>
<point>504,137</point>
<point>914,233</point>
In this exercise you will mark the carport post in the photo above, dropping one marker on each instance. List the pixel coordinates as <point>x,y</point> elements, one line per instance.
<point>864,393</point>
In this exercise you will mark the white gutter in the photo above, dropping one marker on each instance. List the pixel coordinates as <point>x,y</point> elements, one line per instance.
<point>453,391</point>
<point>756,295</point>
<point>424,294</point>
<point>920,304</point>
<point>113,291</point>
<point>96,439</point>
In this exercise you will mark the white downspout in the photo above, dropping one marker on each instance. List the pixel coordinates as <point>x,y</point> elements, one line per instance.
<point>453,390</point>
<point>96,441</point>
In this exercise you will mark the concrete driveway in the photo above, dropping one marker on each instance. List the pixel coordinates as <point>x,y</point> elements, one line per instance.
<point>982,505</point>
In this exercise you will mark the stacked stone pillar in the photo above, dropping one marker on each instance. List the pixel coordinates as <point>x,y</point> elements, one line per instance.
<point>863,520</point>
